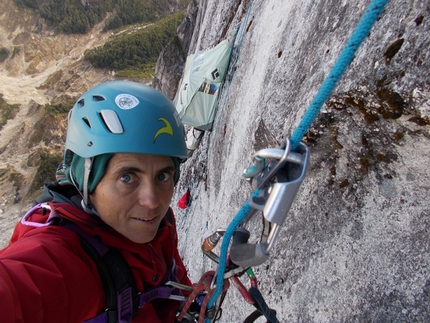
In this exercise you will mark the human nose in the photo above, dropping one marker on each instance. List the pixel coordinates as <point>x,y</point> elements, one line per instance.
<point>148,195</point>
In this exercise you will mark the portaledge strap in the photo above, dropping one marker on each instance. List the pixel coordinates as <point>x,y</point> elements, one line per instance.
<point>262,308</point>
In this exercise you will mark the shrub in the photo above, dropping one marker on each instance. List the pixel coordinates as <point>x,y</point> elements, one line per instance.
<point>46,170</point>
<point>4,54</point>
<point>7,111</point>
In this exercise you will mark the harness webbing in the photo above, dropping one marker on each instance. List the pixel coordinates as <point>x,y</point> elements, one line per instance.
<point>118,281</point>
<point>345,57</point>
<point>262,308</point>
<point>122,297</point>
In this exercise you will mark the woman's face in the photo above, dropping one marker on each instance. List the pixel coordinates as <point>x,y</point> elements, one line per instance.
<point>134,194</point>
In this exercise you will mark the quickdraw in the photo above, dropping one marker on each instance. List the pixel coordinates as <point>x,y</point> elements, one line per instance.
<point>195,308</point>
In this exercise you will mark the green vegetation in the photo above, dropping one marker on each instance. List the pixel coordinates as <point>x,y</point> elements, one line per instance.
<point>55,117</point>
<point>70,16</point>
<point>48,163</point>
<point>4,53</point>
<point>137,51</point>
<point>26,3</point>
<point>57,109</point>
<point>10,175</point>
<point>145,71</point>
<point>131,55</point>
<point>7,111</point>
<point>79,16</point>
<point>131,12</point>
<point>17,181</point>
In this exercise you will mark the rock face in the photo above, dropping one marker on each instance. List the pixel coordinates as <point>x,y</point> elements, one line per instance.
<point>355,246</point>
<point>171,61</point>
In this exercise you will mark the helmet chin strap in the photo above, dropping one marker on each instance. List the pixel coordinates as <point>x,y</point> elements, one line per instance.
<point>87,170</point>
<point>88,164</point>
<point>85,201</point>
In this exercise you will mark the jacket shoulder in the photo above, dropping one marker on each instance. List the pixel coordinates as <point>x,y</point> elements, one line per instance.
<point>47,277</point>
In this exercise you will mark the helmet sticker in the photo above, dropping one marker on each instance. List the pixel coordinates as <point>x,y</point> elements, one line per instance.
<point>126,101</point>
<point>166,129</point>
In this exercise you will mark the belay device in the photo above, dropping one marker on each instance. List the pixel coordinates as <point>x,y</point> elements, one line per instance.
<point>277,175</point>
<point>278,183</point>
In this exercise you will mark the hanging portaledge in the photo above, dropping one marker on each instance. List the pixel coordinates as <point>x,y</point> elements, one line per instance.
<point>203,77</point>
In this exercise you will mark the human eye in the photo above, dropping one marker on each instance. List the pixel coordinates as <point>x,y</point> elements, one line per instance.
<point>127,178</point>
<point>164,177</point>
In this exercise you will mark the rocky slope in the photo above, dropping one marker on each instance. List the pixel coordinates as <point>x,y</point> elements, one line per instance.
<point>44,67</point>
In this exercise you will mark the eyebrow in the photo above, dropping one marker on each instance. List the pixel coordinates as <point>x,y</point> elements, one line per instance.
<point>131,169</point>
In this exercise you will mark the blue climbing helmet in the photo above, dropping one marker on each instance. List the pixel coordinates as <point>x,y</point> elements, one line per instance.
<point>119,117</point>
<point>124,117</point>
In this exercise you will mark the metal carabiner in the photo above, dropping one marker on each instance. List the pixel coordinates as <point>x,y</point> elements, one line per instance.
<point>211,242</point>
<point>263,172</point>
<point>50,220</point>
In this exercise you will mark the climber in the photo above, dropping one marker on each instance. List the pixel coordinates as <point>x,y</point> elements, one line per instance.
<point>121,161</point>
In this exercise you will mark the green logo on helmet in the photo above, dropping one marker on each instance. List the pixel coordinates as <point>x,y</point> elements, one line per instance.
<point>167,129</point>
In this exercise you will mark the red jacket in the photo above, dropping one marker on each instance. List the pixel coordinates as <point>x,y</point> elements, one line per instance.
<point>46,276</point>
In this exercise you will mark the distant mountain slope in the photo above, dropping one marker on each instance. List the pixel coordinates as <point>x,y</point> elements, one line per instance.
<point>78,17</point>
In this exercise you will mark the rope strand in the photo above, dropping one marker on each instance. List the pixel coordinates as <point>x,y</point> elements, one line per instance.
<point>345,58</point>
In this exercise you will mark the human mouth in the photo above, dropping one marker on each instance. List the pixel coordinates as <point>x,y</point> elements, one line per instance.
<point>147,220</point>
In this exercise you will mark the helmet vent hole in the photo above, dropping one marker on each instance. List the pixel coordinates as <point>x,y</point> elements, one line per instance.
<point>85,119</point>
<point>81,103</point>
<point>111,121</point>
<point>98,98</point>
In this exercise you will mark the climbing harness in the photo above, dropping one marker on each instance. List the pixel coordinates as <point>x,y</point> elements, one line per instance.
<point>195,308</point>
<point>275,177</point>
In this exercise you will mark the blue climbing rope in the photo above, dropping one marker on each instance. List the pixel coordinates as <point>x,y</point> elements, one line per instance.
<point>345,57</point>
